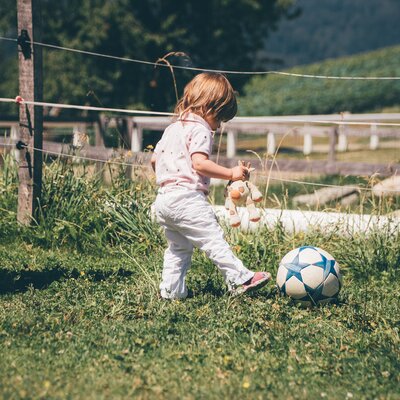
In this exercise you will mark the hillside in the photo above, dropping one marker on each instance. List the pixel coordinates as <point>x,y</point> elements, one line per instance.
<point>335,28</point>
<point>285,95</point>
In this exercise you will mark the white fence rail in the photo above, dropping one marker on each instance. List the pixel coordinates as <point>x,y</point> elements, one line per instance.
<point>338,126</point>
<point>341,126</point>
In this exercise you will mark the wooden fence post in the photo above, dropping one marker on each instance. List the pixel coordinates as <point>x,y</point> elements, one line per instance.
<point>231,144</point>
<point>129,171</point>
<point>374,139</point>
<point>99,134</point>
<point>333,133</point>
<point>136,138</point>
<point>99,131</point>
<point>307,144</point>
<point>129,132</point>
<point>271,143</point>
<point>30,117</point>
<point>342,140</point>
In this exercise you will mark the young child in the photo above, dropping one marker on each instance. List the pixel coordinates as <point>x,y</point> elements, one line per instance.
<point>183,171</point>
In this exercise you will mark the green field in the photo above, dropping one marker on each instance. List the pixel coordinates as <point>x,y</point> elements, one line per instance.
<point>285,95</point>
<point>80,315</point>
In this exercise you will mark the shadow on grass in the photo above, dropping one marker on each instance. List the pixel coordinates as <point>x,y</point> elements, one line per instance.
<point>213,288</point>
<point>217,289</point>
<point>20,281</point>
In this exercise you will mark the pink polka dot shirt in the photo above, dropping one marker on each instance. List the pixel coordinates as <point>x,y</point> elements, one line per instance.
<point>180,140</point>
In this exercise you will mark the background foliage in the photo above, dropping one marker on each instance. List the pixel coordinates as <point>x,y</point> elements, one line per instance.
<point>280,95</point>
<point>233,35</point>
<point>213,34</point>
<point>334,28</point>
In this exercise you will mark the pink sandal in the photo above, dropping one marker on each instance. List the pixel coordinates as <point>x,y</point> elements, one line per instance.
<point>259,280</point>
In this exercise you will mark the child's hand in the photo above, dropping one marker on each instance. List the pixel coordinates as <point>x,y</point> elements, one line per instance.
<point>241,172</point>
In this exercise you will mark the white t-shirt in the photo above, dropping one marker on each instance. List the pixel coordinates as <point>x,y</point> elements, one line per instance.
<point>173,153</point>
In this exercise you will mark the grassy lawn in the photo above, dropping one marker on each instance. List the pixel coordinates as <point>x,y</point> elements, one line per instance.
<point>80,315</point>
<point>76,325</point>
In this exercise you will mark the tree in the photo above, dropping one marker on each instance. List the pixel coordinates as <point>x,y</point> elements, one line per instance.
<point>217,34</point>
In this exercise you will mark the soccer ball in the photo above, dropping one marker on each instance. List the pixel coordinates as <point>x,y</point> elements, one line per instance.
<point>309,275</point>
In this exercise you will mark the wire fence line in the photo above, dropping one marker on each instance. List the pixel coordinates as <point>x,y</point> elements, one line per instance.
<point>144,112</point>
<point>75,156</point>
<point>132,165</point>
<point>227,72</point>
<point>159,113</point>
<point>85,108</point>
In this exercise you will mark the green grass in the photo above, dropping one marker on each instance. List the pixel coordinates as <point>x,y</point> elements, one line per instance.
<point>82,326</point>
<point>80,315</point>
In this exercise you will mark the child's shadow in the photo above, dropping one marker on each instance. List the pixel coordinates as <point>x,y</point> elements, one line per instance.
<point>217,289</point>
<point>20,281</point>
<point>266,292</point>
<point>211,287</point>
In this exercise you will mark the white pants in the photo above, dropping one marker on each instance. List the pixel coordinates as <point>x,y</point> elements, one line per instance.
<point>189,221</point>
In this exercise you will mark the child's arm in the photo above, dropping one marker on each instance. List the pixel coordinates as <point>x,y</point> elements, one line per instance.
<point>209,168</point>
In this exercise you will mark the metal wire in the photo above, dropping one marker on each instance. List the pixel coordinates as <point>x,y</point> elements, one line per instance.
<point>58,154</point>
<point>227,72</point>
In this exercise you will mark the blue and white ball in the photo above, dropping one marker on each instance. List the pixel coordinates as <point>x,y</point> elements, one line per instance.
<point>309,275</point>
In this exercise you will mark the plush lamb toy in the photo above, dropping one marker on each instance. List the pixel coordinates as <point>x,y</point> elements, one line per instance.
<point>240,193</point>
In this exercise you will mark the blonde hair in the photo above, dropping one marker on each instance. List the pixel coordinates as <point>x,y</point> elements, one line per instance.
<point>208,94</point>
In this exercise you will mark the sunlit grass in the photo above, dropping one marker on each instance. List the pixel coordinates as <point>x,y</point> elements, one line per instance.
<point>81,318</point>
<point>84,326</point>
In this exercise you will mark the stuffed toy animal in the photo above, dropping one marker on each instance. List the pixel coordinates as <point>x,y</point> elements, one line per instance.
<point>240,193</point>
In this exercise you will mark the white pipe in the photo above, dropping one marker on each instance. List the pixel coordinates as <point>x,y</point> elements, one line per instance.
<point>300,221</point>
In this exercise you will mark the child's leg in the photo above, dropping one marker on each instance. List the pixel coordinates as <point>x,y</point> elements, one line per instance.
<point>201,228</point>
<point>212,242</point>
<point>177,258</point>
